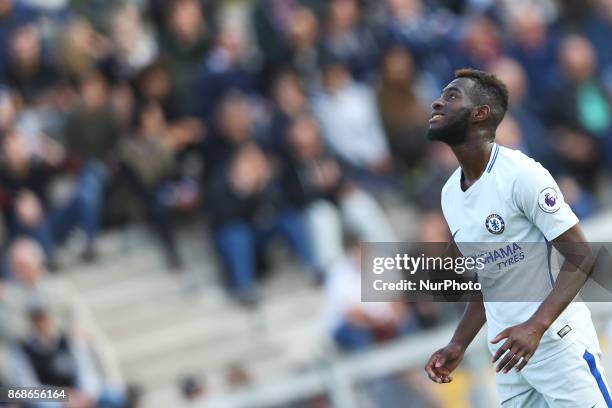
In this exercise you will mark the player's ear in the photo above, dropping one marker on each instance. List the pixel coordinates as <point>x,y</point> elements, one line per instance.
<point>481,113</point>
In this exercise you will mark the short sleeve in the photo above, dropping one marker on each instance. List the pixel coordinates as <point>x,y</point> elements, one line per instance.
<point>538,196</point>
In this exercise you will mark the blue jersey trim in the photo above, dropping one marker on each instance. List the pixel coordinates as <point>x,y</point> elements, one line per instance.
<point>494,158</point>
<point>590,359</point>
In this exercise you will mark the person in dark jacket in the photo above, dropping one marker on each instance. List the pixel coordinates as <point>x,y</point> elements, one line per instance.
<point>248,209</point>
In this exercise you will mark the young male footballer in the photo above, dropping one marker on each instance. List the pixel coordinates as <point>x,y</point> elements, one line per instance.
<point>546,350</point>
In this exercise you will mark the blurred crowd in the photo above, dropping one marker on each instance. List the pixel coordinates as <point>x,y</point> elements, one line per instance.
<point>290,120</point>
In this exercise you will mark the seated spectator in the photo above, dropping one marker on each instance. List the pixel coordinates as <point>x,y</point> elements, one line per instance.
<point>28,72</point>
<point>49,356</point>
<point>304,36</point>
<point>314,182</point>
<point>24,179</point>
<point>413,25</point>
<point>135,46</point>
<point>533,45</point>
<point>13,14</point>
<point>30,285</point>
<point>536,140</point>
<point>247,209</point>
<point>351,126</point>
<point>82,49</point>
<point>91,134</point>
<point>148,161</point>
<point>355,325</point>
<point>185,39</point>
<point>403,114</point>
<point>223,70</point>
<point>346,38</point>
<point>234,126</point>
<point>289,103</point>
<point>579,112</point>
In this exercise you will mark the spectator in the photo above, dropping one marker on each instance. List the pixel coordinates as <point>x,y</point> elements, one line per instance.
<point>135,45</point>
<point>24,178</point>
<point>579,111</point>
<point>350,122</point>
<point>347,39</point>
<point>223,70</point>
<point>91,134</point>
<point>48,356</point>
<point>83,49</point>
<point>13,14</point>
<point>289,103</point>
<point>356,325</point>
<point>536,139</point>
<point>28,71</point>
<point>534,47</point>
<point>403,114</point>
<point>185,40</point>
<point>247,210</point>
<point>314,181</point>
<point>234,126</point>
<point>31,286</point>
<point>148,164</point>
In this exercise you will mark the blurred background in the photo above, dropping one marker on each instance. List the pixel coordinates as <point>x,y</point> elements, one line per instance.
<point>184,185</point>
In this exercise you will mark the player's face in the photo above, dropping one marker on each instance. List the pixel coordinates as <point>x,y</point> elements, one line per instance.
<point>450,116</point>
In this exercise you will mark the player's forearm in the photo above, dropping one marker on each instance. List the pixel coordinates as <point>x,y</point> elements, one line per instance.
<point>471,322</point>
<point>575,270</point>
<point>570,280</point>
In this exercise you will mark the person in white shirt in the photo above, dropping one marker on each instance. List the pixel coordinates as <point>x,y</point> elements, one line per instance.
<point>544,344</point>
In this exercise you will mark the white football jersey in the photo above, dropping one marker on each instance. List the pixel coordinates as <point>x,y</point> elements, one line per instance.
<point>507,217</point>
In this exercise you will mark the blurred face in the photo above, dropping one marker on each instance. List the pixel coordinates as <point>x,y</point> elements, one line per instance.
<point>304,28</point>
<point>25,45</point>
<point>8,110</point>
<point>14,150</point>
<point>94,91</point>
<point>450,116</point>
<point>482,40</point>
<point>156,83</point>
<point>289,95</point>
<point>404,8</point>
<point>398,66</point>
<point>186,20</point>
<point>512,74</point>
<point>235,120</point>
<point>42,324</point>
<point>343,14</point>
<point>26,262</point>
<point>335,77</point>
<point>304,138</point>
<point>152,121</point>
<point>529,26</point>
<point>577,58</point>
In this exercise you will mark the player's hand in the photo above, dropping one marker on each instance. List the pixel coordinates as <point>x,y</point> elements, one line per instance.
<point>521,342</point>
<point>443,362</point>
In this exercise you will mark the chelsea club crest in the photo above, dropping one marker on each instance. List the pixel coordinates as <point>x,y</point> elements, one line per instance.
<point>495,224</point>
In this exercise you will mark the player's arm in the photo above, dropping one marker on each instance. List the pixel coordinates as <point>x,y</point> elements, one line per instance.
<point>537,195</point>
<point>522,340</point>
<point>445,360</point>
<point>577,266</point>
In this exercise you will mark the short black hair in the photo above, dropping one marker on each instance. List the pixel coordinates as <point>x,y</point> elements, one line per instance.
<point>488,90</point>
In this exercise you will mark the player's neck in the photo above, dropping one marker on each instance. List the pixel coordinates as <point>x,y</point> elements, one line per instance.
<point>473,157</point>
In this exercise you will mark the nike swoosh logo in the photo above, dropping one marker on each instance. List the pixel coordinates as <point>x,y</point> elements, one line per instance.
<point>455,234</point>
